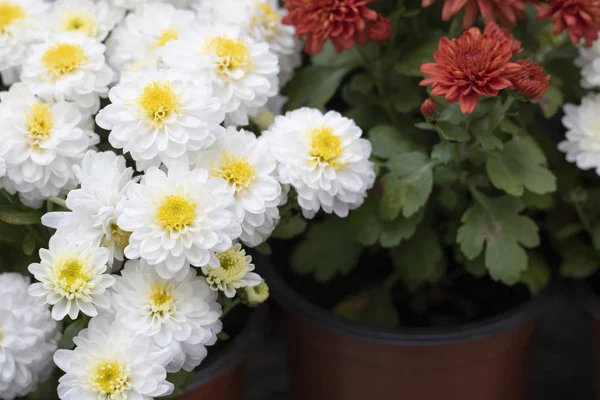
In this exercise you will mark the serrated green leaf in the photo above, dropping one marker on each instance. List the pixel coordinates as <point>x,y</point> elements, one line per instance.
<point>328,57</point>
<point>580,261</point>
<point>388,142</point>
<point>327,249</point>
<point>496,223</point>
<point>537,275</point>
<point>487,140</point>
<point>313,86</point>
<point>450,131</point>
<point>408,185</point>
<point>451,114</point>
<point>290,227</point>
<point>16,216</point>
<point>552,101</point>
<point>394,232</point>
<point>476,267</point>
<point>519,166</point>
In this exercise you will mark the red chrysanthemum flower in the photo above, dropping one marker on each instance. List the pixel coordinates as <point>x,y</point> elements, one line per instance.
<point>342,21</point>
<point>429,108</point>
<point>380,30</point>
<point>531,81</point>
<point>503,34</point>
<point>580,17</point>
<point>507,11</point>
<point>470,66</point>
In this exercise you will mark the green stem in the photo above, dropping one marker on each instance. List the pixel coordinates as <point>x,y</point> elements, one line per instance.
<point>58,201</point>
<point>263,120</point>
<point>230,306</point>
<point>7,196</point>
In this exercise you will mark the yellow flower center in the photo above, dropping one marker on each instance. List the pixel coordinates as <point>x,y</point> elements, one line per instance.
<point>233,54</point>
<point>40,124</point>
<point>266,17</point>
<point>161,300</point>
<point>166,36</point>
<point>79,22</point>
<point>9,12</point>
<point>110,379</point>
<point>325,145</point>
<point>176,213</point>
<point>232,267</point>
<point>71,275</point>
<point>63,59</point>
<point>118,236</point>
<point>158,100</point>
<point>236,170</point>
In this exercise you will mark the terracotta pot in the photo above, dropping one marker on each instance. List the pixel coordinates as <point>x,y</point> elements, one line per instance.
<point>225,377</point>
<point>590,301</point>
<point>331,358</point>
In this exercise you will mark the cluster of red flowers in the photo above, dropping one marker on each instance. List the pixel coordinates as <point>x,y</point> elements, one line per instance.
<point>507,11</point>
<point>344,22</point>
<point>479,64</point>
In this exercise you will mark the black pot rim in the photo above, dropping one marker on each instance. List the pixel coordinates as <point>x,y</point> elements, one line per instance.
<point>294,303</point>
<point>586,297</point>
<point>236,352</point>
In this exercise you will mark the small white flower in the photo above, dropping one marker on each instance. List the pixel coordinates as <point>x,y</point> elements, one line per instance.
<point>110,364</point>
<point>141,37</point>
<point>20,25</point>
<point>179,314</point>
<point>41,144</point>
<point>28,338</point>
<point>248,167</point>
<point>96,205</point>
<point>178,218</point>
<point>324,158</point>
<point>93,18</point>
<point>582,144</point>
<point>160,116</point>
<point>72,278</point>
<point>71,67</point>
<point>234,271</point>
<point>589,62</point>
<point>241,71</point>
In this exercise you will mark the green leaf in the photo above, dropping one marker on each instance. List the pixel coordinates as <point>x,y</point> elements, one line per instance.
<point>11,235</point>
<point>425,126</point>
<point>443,151</point>
<point>410,63</point>
<point>519,166</point>
<point>537,275</point>
<point>181,380</point>
<point>66,341</point>
<point>29,244</point>
<point>388,142</point>
<point>420,259</point>
<point>394,232</point>
<point>264,249</point>
<point>552,101</point>
<point>450,131</point>
<point>290,227</point>
<point>408,185</point>
<point>328,57</point>
<point>47,390</point>
<point>476,267</point>
<point>496,224</point>
<point>327,249</point>
<point>361,83</point>
<point>579,262</point>
<point>313,86</point>
<point>17,216</point>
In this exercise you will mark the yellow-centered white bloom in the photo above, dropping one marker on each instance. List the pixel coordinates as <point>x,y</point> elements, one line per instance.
<point>42,142</point>
<point>324,158</point>
<point>140,39</point>
<point>234,271</point>
<point>181,315</point>
<point>21,23</point>
<point>93,18</point>
<point>69,67</point>
<point>249,168</point>
<point>72,278</point>
<point>109,363</point>
<point>179,218</point>
<point>241,71</point>
<point>28,338</point>
<point>161,117</point>
<point>96,204</point>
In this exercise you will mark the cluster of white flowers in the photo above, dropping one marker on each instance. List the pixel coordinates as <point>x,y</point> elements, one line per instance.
<point>148,242</point>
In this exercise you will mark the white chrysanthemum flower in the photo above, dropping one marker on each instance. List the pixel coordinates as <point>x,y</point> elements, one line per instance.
<point>247,165</point>
<point>140,38</point>
<point>41,144</point>
<point>180,217</point>
<point>96,204</point>
<point>128,4</point>
<point>110,364</point>
<point>582,144</point>
<point>324,158</point>
<point>184,311</point>
<point>28,338</point>
<point>160,116</point>
<point>234,271</point>
<point>241,71</point>
<point>94,18</point>
<point>589,62</point>
<point>72,278</point>
<point>20,25</point>
<point>71,67</point>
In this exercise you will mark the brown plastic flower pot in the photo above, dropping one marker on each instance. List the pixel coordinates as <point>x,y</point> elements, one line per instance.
<point>225,377</point>
<point>331,358</point>
<point>590,301</point>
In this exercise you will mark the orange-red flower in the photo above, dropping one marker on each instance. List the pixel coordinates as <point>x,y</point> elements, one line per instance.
<point>342,21</point>
<point>470,66</point>
<point>580,17</point>
<point>503,34</point>
<point>531,81</point>
<point>507,11</point>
